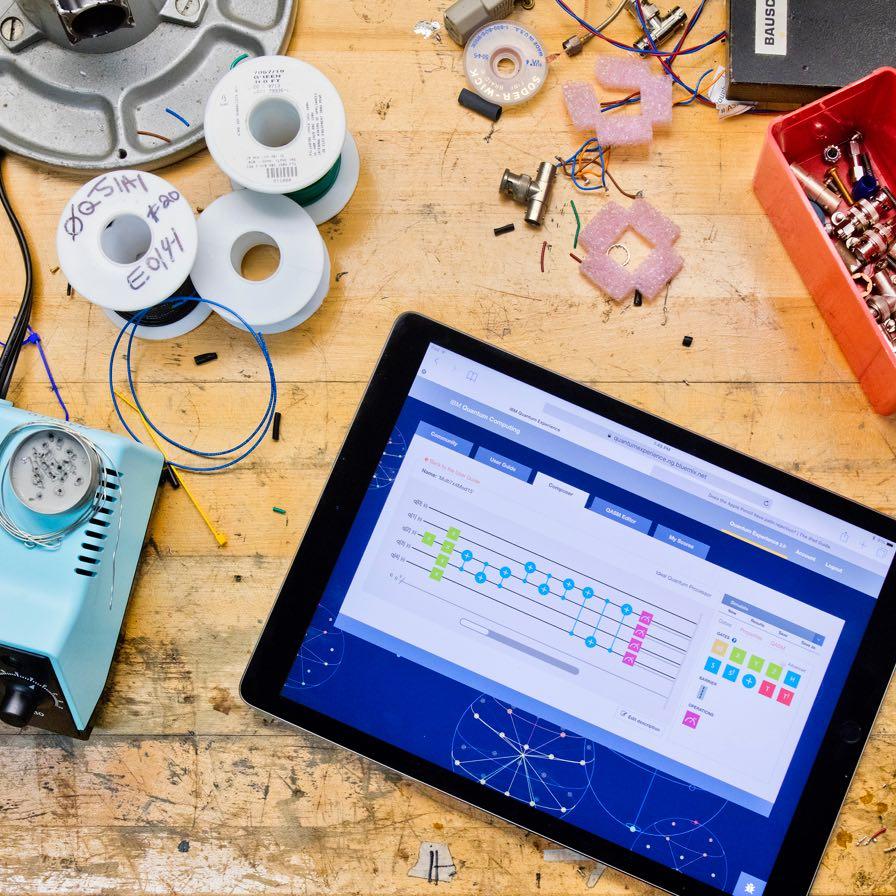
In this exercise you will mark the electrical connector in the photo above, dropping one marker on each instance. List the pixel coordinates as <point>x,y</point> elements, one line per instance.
<point>464,17</point>
<point>574,45</point>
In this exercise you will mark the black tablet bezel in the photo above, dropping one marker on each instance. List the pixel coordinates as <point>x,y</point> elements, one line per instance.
<point>262,683</point>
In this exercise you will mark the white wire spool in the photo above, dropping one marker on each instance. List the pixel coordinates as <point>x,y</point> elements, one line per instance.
<point>127,240</point>
<point>505,63</point>
<point>238,222</point>
<point>275,124</point>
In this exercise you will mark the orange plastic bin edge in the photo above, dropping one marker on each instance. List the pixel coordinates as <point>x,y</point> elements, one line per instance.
<point>865,347</point>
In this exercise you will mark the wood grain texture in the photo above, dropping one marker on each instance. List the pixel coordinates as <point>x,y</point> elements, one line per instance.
<point>182,789</point>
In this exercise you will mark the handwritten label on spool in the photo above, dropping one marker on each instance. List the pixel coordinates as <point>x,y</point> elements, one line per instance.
<point>127,233</point>
<point>275,124</point>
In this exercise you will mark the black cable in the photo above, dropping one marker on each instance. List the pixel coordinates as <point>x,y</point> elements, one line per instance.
<point>10,354</point>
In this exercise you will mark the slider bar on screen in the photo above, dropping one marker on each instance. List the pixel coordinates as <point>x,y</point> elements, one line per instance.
<point>518,645</point>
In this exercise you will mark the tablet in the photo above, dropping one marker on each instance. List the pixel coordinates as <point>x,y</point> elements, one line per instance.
<point>586,620</point>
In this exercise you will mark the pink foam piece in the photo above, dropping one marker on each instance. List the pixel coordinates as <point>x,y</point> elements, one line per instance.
<point>581,103</point>
<point>604,228</point>
<point>656,99</point>
<point>620,129</point>
<point>608,276</point>
<point>621,71</point>
<point>652,224</point>
<point>656,271</point>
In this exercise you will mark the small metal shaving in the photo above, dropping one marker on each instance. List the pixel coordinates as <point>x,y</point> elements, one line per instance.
<point>427,29</point>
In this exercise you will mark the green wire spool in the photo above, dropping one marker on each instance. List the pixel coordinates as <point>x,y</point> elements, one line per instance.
<point>313,192</point>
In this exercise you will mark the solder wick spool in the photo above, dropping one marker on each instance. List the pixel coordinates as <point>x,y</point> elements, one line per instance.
<point>242,220</point>
<point>127,241</point>
<point>505,63</point>
<point>275,124</point>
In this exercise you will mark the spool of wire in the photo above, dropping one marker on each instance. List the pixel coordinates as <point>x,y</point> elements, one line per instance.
<point>127,241</point>
<point>238,222</point>
<point>275,124</point>
<point>233,454</point>
<point>168,319</point>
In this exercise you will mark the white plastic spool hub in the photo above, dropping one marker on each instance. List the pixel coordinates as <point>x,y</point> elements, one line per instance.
<point>275,124</point>
<point>127,240</point>
<point>242,220</point>
<point>505,63</point>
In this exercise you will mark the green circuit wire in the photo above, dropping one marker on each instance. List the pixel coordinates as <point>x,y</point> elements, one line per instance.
<point>313,192</point>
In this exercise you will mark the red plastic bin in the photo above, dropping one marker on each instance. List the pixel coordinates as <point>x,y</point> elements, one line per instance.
<point>800,137</point>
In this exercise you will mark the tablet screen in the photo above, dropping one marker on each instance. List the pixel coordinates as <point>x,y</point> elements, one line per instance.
<point>582,618</point>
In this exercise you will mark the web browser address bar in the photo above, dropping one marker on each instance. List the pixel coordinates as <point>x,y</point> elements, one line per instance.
<point>707,483</point>
<point>671,467</point>
<point>611,445</point>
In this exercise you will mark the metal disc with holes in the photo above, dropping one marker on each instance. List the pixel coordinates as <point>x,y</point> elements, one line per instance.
<point>52,471</point>
<point>97,101</point>
<point>505,63</point>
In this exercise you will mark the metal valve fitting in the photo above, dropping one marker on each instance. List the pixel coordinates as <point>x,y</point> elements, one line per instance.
<point>861,215</point>
<point>534,193</point>
<point>874,243</point>
<point>660,27</point>
<point>853,265</point>
<point>882,302</point>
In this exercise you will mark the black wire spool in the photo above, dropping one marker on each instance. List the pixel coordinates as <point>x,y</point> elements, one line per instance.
<point>168,319</point>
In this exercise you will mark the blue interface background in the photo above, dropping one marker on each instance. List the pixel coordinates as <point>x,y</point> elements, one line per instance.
<point>589,785</point>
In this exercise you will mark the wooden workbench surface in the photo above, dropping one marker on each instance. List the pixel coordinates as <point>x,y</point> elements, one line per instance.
<point>182,789</point>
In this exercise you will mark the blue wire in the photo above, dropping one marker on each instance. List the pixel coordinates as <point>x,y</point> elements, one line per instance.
<point>627,102</point>
<point>696,91</point>
<point>653,51</point>
<point>689,51</point>
<point>667,69</point>
<point>33,338</point>
<point>180,118</point>
<point>257,434</point>
<point>574,160</point>
<point>593,143</point>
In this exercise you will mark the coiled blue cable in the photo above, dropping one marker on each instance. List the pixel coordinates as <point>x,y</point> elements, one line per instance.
<point>255,437</point>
